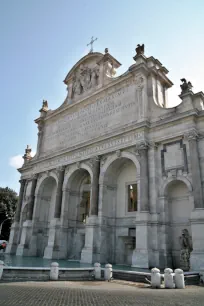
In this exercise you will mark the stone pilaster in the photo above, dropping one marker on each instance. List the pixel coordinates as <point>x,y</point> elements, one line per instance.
<point>14,233</point>
<point>32,198</point>
<point>195,168</point>
<point>58,201</point>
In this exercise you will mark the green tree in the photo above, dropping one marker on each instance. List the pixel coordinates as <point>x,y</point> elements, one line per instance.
<point>8,202</point>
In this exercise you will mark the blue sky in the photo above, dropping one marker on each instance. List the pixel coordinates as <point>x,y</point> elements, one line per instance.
<point>40,41</point>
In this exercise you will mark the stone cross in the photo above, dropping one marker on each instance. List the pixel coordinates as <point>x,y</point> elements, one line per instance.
<point>91,43</point>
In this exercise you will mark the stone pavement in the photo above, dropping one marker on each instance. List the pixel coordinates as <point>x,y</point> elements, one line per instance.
<point>95,293</point>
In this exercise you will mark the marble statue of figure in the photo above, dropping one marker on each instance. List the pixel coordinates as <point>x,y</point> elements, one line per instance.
<point>76,90</point>
<point>94,77</point>
<point>87,79</point>
<point>186,249</point>
<point>185,86</point>
<point>140,49</point>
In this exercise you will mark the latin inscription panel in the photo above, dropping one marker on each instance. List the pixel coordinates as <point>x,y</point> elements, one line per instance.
<point>91,121</point>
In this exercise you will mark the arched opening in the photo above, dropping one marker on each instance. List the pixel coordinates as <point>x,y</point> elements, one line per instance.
<point>179,208</point>
<point>78,206</point>
<point>45,205</point>
<point>119,206</point>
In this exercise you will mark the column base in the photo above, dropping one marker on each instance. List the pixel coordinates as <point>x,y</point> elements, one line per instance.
<point>52,249</point>
<point>13,239</point>
<point>196,261</point>
<point>197,228</point>
<point>23,247</point>
<point>89,253</point>
<point>140,259</point>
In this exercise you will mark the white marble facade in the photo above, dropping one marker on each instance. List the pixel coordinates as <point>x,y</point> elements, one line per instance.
<point>117,175</point>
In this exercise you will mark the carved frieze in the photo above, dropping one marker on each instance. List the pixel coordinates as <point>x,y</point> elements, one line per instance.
<point>103,147</point>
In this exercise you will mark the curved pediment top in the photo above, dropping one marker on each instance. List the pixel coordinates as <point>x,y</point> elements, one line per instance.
<point>90,74</point>
<point>90,58</point>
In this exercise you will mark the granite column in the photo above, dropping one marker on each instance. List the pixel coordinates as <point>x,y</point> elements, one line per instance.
<point>140,257</point>
<point>90,253</point>
<point>14,232</point>
<point>195,169</point>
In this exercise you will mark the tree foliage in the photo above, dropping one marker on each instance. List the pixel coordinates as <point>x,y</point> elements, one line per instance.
<point>8,202</point>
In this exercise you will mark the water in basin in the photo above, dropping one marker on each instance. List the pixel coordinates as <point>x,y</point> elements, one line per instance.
<point>28,261</point>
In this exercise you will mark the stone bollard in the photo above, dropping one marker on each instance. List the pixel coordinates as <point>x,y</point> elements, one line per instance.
<point>54,271</point>
<point>179,279</point>
<point>1,268</point>
<point>169,278</point>
<point>155,278</point>
<point>108,272</point>
<point>97,270</point>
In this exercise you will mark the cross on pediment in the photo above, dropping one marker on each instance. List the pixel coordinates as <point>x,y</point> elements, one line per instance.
<point>91,43</point>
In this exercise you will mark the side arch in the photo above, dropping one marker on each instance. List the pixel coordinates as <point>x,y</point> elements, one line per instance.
<point>164,186</point>
<point>114,157</point>
<point>74,168</point>
<point>42,178</point>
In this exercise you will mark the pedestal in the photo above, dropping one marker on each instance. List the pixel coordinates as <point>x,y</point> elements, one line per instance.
<point>23,247</point>
<point>197,228</point>
<point>13,239</point>
<point>52,248</point>
<point>90,253</point>
<point>140,257</point>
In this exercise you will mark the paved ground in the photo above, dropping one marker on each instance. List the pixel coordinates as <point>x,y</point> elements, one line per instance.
<point>95,293</point>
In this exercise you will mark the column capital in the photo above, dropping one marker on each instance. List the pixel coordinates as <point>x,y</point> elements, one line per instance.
<point>94,160</point>
<point>142,146</point>
<point>22,181</point>
<point>34,176</point>
<point>60,168</point>
<point>191,135</point>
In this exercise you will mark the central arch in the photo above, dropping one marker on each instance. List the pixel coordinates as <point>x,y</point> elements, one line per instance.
<point>119,185</point>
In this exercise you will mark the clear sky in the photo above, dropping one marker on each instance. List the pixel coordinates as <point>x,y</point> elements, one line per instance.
<point>40,41</point>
